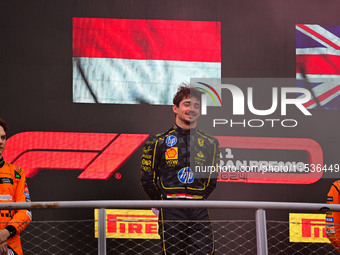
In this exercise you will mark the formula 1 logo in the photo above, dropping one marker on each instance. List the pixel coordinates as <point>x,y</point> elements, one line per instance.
<point>99,155</point>
<point>185,175</point>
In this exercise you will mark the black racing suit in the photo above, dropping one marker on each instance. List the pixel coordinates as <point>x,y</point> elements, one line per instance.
<point>170,170</point>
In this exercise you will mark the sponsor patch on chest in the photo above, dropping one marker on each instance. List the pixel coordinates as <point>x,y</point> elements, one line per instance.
<point>5,197</point>
<point>171,153</point>
<point>5,180</point>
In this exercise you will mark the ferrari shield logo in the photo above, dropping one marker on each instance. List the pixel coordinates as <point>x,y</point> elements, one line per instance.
<point>200,142</point>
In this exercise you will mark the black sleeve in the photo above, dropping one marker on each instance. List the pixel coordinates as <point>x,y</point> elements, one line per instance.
<point>12,230</point>
<point>212,181</point>
<point>149,171</point>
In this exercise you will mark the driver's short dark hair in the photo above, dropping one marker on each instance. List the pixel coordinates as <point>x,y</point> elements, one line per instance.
<point>186,91</point>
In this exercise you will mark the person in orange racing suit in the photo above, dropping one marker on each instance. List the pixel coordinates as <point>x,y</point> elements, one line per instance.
<point>169,173</point>
<point>13,188</point>
<point>333,218</point>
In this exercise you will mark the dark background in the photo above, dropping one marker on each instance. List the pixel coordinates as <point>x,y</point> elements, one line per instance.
<point>258,40</point>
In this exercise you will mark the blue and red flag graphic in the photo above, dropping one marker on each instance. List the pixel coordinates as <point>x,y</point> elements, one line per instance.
<point>318,64</point>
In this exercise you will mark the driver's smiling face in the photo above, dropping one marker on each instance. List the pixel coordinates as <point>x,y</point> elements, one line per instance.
<point>187,112</point>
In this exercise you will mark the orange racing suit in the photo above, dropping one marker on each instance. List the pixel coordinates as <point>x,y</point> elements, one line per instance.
<point>13,188</point>
<point>333,218</point>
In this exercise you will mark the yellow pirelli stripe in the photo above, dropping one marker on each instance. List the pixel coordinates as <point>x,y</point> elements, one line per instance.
<point>307,228</point>
<point>132,224</point>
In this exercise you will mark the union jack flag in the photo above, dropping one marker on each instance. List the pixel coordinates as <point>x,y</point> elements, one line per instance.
<point>318,64</point>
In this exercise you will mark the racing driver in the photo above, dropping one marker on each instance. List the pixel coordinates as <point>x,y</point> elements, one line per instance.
<point>333,218</point>
<point>13,188</point>
<point>168,172</point>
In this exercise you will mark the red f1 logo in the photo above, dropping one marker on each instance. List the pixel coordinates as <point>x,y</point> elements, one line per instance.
<point>98,154</point>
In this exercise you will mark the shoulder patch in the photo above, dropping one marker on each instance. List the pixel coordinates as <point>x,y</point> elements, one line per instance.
<point>206,136</point>
<point>17,175</point>
<point>163,134</point>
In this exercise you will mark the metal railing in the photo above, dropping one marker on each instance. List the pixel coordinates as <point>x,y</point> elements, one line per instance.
<point>260,216</point>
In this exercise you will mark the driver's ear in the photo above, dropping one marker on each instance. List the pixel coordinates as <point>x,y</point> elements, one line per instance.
<point>175,109</point>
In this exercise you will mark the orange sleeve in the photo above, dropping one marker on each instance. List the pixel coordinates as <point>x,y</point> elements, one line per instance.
<point>21,218</point>
<point>333,218</point>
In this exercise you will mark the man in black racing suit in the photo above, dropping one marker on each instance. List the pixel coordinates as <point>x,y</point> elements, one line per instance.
<point>169,165</point>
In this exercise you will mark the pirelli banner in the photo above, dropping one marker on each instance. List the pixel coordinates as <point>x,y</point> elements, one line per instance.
<point>133,224</point>
<point>307,228</point>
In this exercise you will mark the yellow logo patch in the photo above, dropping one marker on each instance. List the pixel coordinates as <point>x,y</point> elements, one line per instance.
<point>308,228</point>
<point>200,155</point>
<point>171,153</point>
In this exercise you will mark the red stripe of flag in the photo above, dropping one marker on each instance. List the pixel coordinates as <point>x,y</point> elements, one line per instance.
<point>323,96</point>
<point>147,39</point>
<point>319,36</point>
<point>319,64</point>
